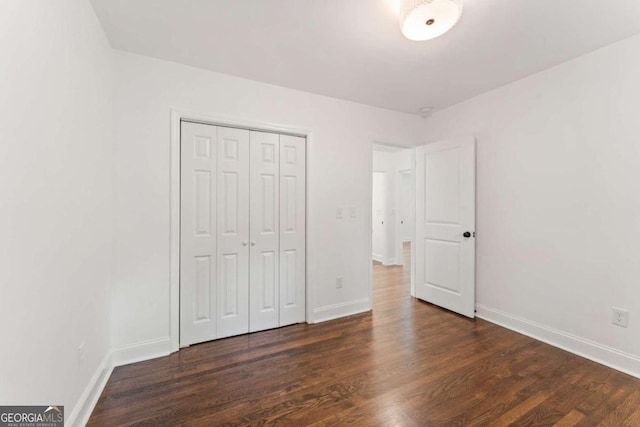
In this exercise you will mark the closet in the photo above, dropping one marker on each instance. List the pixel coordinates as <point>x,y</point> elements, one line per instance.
<point>242,231</point>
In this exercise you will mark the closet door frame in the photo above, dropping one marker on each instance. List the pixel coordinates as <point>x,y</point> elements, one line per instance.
<point>172,343</point>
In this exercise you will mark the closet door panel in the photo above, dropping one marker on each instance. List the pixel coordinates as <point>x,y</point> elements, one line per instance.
<point>292,229</point>
<point>233,232</point>
<point>198,267</point>
<point>264,225</point>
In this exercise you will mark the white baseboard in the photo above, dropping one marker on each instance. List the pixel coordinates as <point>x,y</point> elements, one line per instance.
<point>616,359</point>
<point>334,311</point>
<point>84,407</point>
<point>122,356</point>
<point>138,352</point>
<point>384,261</point>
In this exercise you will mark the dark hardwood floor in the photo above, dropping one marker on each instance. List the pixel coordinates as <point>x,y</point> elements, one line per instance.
<point>407,363</point>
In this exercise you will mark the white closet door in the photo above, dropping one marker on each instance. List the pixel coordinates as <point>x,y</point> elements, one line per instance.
<point>292,229</point>
<point>233,232</point>
<point>265,198</point>
<point>198,234</point>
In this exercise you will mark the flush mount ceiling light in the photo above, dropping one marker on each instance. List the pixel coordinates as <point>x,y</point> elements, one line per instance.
<point>427,19</point>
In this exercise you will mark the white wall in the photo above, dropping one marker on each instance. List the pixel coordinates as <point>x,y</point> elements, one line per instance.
<point>558,216</point>
<point>339,166</point>
<point>56,216</point>
<point>392,162</point>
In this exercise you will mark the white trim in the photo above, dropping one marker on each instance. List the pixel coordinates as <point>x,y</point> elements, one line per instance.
<point>389,261</point>
<point>343,309</point>
<point>174,201</point>
<point>308,253</point>
<point>369,218</point>
<point>174,239</point>
<point>378,257</point>
<point>229,121</point>
<point>607,356</point>
<point>84,406</point>
<point>413,221</point>
<point>138,352</point>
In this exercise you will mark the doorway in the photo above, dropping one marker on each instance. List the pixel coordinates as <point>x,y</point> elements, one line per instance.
<point>392,215</point>
<point>442,215</point>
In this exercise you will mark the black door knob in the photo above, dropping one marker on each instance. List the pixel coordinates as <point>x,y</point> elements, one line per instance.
<point>466,234</point>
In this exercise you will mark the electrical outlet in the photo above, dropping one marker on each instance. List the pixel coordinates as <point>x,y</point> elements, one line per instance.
<point>81,354</point>
<point>620,317</point>
<point>338,282</point>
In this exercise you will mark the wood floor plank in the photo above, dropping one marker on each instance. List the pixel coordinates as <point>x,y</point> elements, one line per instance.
<point>520,409</point>
<point>406,363</point>
<point>623,411</point>
<point>633,420</point>
<point>572,418</point>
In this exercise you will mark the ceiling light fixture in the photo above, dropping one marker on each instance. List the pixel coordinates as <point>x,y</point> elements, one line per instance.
<point>427,19</point>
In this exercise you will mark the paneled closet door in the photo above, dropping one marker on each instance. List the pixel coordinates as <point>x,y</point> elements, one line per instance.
<point>198,233</point>
<point>264,226</point>
<point>292,229</point>
<point>233,232</point>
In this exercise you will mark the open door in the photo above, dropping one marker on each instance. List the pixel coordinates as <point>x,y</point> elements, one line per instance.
<point>445,224</point>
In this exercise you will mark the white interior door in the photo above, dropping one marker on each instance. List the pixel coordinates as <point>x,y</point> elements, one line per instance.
<point>292,229</point>
<point>445,224</point>
<point>198,233</point>
<point>378,213</point>
<point>233,232</point>
<point>265,231</point>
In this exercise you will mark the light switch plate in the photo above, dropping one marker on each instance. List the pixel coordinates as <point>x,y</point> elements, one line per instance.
<point>339,213</point>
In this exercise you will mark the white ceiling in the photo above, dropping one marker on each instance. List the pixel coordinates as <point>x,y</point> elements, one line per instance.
<point>353,49</point>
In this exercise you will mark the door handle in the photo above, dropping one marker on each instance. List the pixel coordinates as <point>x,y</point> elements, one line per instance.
<point>253,243</point>
<point>466,234</point>
<point>245,243</point>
